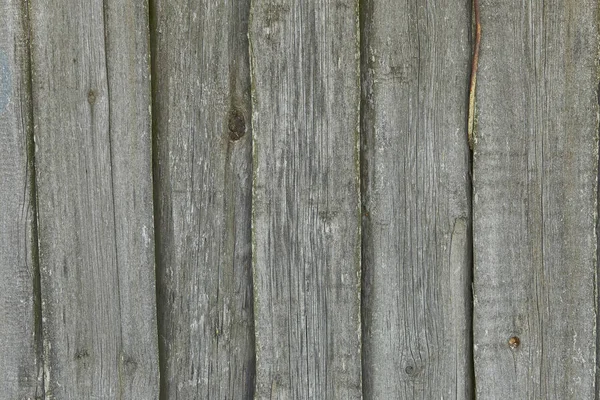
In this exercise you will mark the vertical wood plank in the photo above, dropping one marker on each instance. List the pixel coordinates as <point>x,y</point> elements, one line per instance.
<point>20,355</point>
<point>201,92</point>
<point>306,213</point>
<point>93,167</point>
<point>416,207</point>
<point>535,179</point>
<point>126,25</point>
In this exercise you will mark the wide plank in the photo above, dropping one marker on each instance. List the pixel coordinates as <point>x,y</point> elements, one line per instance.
<point>20,340</point>
<point>91,96</point>
<point>203,176</point>
<point>306,198</point>
<point>416,201</point>
<point>535,181</point>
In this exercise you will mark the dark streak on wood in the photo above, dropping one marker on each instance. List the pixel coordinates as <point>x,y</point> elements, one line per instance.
<point>596,284</point>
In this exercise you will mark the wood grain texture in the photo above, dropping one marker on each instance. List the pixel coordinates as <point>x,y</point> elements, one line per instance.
<point>306,204</point>
<point>91,99</point>
<point>128,68</point>
<point>201,92</point>
<point>535,178</point>
<point>20,355</point>
<point>416,206</point>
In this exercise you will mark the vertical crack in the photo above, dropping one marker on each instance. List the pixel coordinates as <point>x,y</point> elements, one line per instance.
<point>91,100</point>
<point>33,206</point>
<point>156,192</point>
<point>365,9</point>
<point>597,372</point>
<point>475,37</point>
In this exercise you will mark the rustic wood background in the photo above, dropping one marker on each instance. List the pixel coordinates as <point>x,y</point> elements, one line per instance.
<point>276,199</point>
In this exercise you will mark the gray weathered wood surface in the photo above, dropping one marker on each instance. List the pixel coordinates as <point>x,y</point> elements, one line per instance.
<point>416,201</point>
<point>273,199</point>
<point>91,97</point>
<point>126,26</point>
<point>535,177</point>
<point>306,199</point>
<point>20,367</point>
<point>203,178</point>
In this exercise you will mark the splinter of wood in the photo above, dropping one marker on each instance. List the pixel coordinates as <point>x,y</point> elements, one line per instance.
<point>473,84</point>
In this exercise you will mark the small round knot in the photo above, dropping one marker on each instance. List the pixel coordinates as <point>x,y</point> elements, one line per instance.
<point>82,353</point>
<point>236,125</point>
<point>91,97</point>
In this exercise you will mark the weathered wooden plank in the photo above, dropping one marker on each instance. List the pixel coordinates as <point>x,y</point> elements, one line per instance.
<point>201,92</point>
<point>20,355</point>
<point>128,68</point>
<point>91,96</point>
<point>306,203</point>
<point>416,206</point>
<point>535,172</point>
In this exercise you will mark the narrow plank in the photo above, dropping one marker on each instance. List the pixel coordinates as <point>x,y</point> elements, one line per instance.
<point>416,201</point>
<point>128,70</point>
<point>535,180</point>
<point>203,170</point>
<point>306,199</point>
<point>20,355</point>
<point>91,97</point>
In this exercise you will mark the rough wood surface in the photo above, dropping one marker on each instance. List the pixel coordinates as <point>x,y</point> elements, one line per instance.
<point>20,361</point>
<point>306,215</point>
<point>535,177</point>
<point>254,146</point>
<point>416,207</point>
<point>91,99</point>
<point>201,92</point>
<point>128,68</point>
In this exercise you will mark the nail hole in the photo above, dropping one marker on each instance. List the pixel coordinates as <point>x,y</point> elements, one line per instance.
<point>514,342</point>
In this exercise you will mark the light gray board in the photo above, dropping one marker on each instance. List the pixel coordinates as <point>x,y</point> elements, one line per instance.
<point>201,92</point>
<point>128,68</point>
<point>91,99</point>
<point>535,177</point>
<point>416,200</point>
<point>20,361</point>
<point>306,201</point>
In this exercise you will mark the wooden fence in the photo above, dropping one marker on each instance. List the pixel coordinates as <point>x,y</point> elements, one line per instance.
<point>219,199</point>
